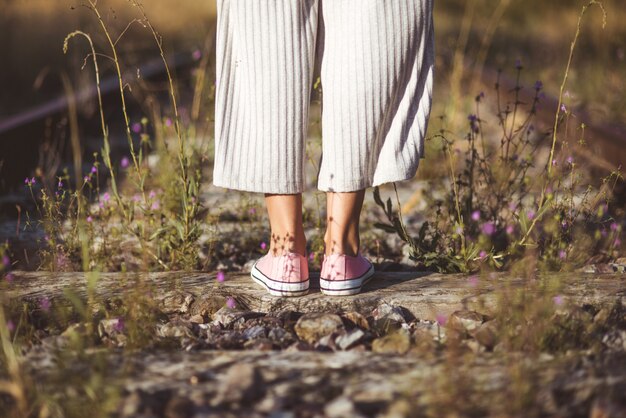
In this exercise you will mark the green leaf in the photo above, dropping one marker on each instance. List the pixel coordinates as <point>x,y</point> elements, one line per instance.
<point>385,227</point>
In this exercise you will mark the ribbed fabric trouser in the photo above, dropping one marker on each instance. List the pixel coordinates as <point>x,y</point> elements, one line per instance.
<point>376,60</point>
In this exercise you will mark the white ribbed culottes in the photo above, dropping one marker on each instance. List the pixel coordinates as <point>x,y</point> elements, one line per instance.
<point>376,62</point>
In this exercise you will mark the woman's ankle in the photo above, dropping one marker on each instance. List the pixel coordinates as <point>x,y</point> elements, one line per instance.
<point>294,242</point>
<point>350,248</point>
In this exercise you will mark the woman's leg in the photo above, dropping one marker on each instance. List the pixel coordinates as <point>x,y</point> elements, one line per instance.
<point>342,223</point>
<point>285,213</point>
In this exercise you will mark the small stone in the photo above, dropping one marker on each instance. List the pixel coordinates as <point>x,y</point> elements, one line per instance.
<point>327,342</point>
<point>187,302</point>
<point>424,339</point>
<point>299,346</point>
<point>231,317</point>
<point>313,326</point>
<point>465,321</point>
<point>357,319</point>
<point>615,339</point>
<point>487,334</point>
<point>261,344</point>
<point>108,327</point>
<point>279,335</point>
<point>347,340</point>
<point>341,407</point>
<point>197,319</point>
<point>230,340</point>
<point>242,382</point>
<point>397,342</point>
<point>74,330</point>
<point>474,346</point>
<point>387,311</point>
<point>602,316</point>
<point>618,268</point>
<point>175,329</point>
<point>398,409</point>
<point>208,306</point>
<point>257,331</point>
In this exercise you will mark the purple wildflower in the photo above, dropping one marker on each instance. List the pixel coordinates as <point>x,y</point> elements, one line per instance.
<point>89,219</point>
<point>482,254</point>
<point>563,108</point>
<point>196,54</point>
<point>510,229</point>
<point>311,256</point>
<point>538,85</point>
<point>473,122</point>
<point>570,159</point>
<point>618,242</point>
<point>136,127</point>
<point>220,276</point>
<point>530,214</point>
<point>10,325</point>
<point>518,64</point>
<point>119,325</point>
<point>106,196</point>
<point>45,304</point>
<point>488,228</point>
<point>230,302</point>
<point>252,211</point>
<point>86,179</point>
<point>94,169</point>
<point>263,245</point>
<point>152,194</point>
<point>562,254</point>
<point>125,162</point>
<point>558,300</point>
<point>476,215</point>
<point>168,122</point>
<point>614,226</point>
<point>442,319</point>
<point>6,261</point>
<point>9,278</point>
<point>155,205</point>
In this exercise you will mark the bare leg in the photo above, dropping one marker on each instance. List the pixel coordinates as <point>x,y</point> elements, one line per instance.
<point>342,228</point>
<point>287,233</point>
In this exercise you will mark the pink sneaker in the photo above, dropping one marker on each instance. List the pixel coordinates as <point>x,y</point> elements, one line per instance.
<point>344,274</point>
<point>284,275</point>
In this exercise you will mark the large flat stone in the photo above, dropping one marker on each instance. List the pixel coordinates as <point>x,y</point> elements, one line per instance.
<point>424,295</point>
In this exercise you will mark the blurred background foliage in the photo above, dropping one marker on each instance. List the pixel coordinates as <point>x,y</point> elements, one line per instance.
<point>471,35</point>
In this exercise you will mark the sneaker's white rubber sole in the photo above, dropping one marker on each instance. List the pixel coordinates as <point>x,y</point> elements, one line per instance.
<point>277,288</point>
<point>346,287</point>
